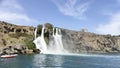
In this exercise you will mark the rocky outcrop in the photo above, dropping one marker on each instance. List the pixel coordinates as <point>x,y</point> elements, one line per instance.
<point>16,39</point>
<point>86,42</point>
<point>18,49</point>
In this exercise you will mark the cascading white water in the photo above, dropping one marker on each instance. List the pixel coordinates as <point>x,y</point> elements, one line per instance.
<point>35,33</point>
<point>58,42</point>
<point>55,45</point>
<point>40,42</point>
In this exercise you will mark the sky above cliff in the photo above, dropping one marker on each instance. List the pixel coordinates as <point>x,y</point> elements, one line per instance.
<point>98,16</point>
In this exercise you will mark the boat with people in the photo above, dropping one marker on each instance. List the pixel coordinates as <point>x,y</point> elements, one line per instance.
<point>9,56</point>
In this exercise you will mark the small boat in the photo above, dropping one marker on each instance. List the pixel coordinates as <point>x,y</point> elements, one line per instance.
<point>9,56</point>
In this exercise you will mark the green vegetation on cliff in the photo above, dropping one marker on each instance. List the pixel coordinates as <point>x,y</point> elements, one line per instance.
<point>29,42</point>
<point>18,34</point>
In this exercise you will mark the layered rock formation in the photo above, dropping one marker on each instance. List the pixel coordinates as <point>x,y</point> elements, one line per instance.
<point>15,39</point>
<point>86,42</point>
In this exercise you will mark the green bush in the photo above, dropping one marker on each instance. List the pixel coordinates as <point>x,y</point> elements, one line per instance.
<point>30,44</point>
<point>28,41</point>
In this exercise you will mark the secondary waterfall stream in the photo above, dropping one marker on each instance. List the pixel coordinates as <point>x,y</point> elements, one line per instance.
<point>55,45</point>
<point>40,42</point>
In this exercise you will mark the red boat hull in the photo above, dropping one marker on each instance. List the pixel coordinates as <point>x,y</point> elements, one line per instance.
<point>8,56</point>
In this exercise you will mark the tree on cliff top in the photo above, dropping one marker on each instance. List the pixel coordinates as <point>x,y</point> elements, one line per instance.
<point>48,25</point>
<point>39,29</point>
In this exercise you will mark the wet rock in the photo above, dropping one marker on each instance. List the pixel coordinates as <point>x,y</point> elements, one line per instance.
<point>36,50</point>
<point>20,49</point>
<point>29,51</point>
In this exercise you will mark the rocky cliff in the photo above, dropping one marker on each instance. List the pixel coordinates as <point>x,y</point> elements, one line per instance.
<point>86,42</point>
<point>15,39</point>
<point>19,39</point>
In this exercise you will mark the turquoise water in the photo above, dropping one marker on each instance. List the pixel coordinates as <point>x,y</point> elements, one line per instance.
<point>61,61</point>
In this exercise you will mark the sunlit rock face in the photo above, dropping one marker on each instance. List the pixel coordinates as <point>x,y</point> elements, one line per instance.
<point>14,36</point>
<point>86,42</point>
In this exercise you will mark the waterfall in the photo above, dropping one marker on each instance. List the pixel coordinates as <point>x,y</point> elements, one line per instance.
<point>58,42</point>
<point>35,33</point>
<point>55,45</point>
<point>40,42</point>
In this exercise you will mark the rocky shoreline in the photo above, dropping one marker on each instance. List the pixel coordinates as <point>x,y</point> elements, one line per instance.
<point>18,49</point>
<point>19,40</point>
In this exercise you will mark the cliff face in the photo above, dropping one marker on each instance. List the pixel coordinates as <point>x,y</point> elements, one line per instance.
<point>86,42</point>
<point>15,38</point>
<point>9,34</point>
<point>18,39</point>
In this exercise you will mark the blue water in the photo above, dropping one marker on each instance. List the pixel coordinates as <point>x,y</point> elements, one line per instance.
<point>61,61</point>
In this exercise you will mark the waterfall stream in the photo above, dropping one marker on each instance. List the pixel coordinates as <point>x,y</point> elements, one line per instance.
<point>40,42</point>
<point>55,45</point>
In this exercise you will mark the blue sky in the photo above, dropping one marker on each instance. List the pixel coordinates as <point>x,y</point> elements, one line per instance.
<point>98,16</point>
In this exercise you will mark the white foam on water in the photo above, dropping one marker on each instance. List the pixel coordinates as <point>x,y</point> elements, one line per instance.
<point>87,55</point>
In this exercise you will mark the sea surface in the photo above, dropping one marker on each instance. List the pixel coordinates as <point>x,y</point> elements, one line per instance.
<point>62,61</point>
